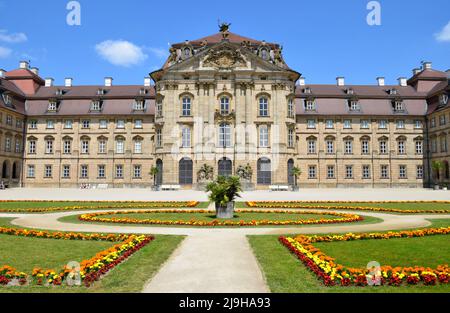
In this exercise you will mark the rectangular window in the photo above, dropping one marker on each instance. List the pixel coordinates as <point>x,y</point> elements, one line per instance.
<point>48,171</point>
<point>224,136</point>
<point>32,124</point>
<point>349,171</point>
<point>419,171</point>
<point>443,143</point>
<point>401,147</point>
<point>139,105</point>
<point>120,124</point>
<point>102,146</point>
<point>418,124</point>
<point>159,108</point>
<point>312,172</point>
<point>186,137</point>
<point>402,171</point>
<point>330,171</point>
<point>103,124</point>
<point>137,171</point>
<point>84,171</point>
<point>138,146</point>
<point>366,172</point>
<point>347,124</point>
<point>384,171</point>
<point>365,149</point>
<point>18,146</point>
<point>85,124</point>
<point>263,106</point>
<point>120,146</point>
<point>364,124</point>
<point>186,109</point>
<point>311,124</point>
<point>290,138</point>
<point>442,120</point>
<point>310,105</point>
<point>119,171</point>
<point>7,144</point>
<point>329,124</point>
<point>330,146</point>
<point>32,147</point>
<point>159,138</point>
<point>383,147</point>
<point>311,146</point>
<point>52,106</point>
<point>68,124</point>
<point>434,145</point>
<point>9,120</point>
<point>49,146</point>
<point>291,111</point>
<point>263,136</point>
<point>31,171</point>
<point>348,146</point>
<point>138,124</point>
<point>101,171</point>
<point>382,124</point>
<point>50,124</point>
<point>400,124</point>
<point>66,171</point>
<point>85,146</point>
<point>67,147</point>
<point>433,122</point>
<point>96,105</point>
<point>419,147</point>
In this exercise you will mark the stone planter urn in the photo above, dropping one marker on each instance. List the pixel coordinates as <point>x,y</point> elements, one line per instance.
<point>225,212</point>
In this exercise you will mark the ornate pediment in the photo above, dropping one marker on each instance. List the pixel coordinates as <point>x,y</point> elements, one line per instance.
<point>224,57</point>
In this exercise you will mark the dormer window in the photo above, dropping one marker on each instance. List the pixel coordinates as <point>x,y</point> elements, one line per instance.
<point>393,91</point>
<point>52,106</point>
<point>398,106</point>
<point>443,99</point>
<point>101,92</point>
<point>60,92</point>
<point>7,99</point>
<point>143,91</point>
<point>96,105</point>
<point>349,91</point>
<point>307,90</point>
<point>139,105</point>
<point>310,105</point>
<point>353,105</point>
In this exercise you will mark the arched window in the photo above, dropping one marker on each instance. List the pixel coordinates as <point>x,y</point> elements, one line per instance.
<point>263,106</point>
<point>15,171</point>
<point>159,176</point>
<point>186,137</point>
<point>5,169</point>
<point>186,103</point>
<point>185,171</point>
<point>224,105</point>
<point>224,135</point>
<point>264,172</point>
<point>263,136</point>
<point>225,167</point>
<point>291,178</point>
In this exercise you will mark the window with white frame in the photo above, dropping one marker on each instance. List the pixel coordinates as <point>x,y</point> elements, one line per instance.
<point>311,124</point>
<point>364,124</point>
<point>382,124</point>
<point>137,171</point>
<point>433,122</point>
<point>330,146</point>
<point>31,171</point>
<point>84,171</point>
<point>224,135</point>
<point>101,171</point>
<point>353,105</point>
<point>330,171</point>
<point>159,138</point>
<point>84,146</point>
<point>348,146</point>
<point>102,146</point>
<point>138,124</point>
<point>18,123</point>
<point>120,145</point>
<point>186,137</point>
<point>419,171</point>
<point>186,106</point>
<point>49,146</point>
<point>402,171</point>
<point>347,124</point>
<point>400,124</point>
<point>419,147</point>
<point>159,108</point>
<point>384,171</point>
<point>68,124</point>
<point>52,106</point>
<point>312,146</point>
<point>224,105</point>
<point>67,146</point>
<point>8,144</point>
<point>263,136</point>
<point>442,120</point>
<point>137,146</point>
<point>290,108</point>
<point>18,146</point>
<point>401,146</point>
<point>119,171</point>
<point>365,146</point>
<point>32,124</point>
<point>96,105</point>
<point>120,124</point>
<point>443,143</point>
<point>66,171</point>
<point>418,124</point>
<point>383,147</point>
<point>50,124</point>
<point>263,106</point>
<point>349,171</point>
<point>48,171</point>
<point>434,145</point>
<point>291,136</point>
<point>310,105</point>
<point>366,171</point>
<point>139,105</point>
<point>9,120</point>
<point>103,124</point>
<point>399,106</point>
<point>312,172</point>
<point>329,124</point>
<point>32,147</point>
<point>85,124</point>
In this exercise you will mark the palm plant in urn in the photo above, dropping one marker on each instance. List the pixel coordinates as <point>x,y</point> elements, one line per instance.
<point>223,192</point>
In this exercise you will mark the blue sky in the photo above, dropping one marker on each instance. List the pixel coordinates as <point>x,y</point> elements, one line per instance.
<point>322,39</point>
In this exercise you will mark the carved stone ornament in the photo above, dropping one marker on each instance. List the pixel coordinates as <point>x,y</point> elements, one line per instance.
<point>226,57</point>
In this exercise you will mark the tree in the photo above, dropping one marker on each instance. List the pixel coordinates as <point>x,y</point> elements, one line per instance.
<point>154,171</point>
<point>296,171</point>
<point>437,167</point>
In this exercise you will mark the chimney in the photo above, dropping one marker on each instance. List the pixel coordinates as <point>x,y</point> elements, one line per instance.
<point>426,65</point>
<point>340,81</point>
<point>68,82</point>
<point>23,65</point>
<point>108,81</point>
<point>301,81</point>
<point>35,70</point>
<point>2,73</point>
<point>49,82</point>
<point>416,71</point>
<point>402,82</point>
<point>147,81</point>
<point>380,81</point>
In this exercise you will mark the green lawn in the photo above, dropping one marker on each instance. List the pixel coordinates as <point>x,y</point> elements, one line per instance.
<point>400,206</point>
<point>285,273</point>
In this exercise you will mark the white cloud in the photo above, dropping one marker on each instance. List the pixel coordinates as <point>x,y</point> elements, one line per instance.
<point>444,34</point>
<point>120,52</point>
<point>4,52</point>
<point>12,38</point>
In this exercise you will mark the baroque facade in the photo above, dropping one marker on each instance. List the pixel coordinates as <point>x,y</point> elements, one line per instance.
<point>228,102</point>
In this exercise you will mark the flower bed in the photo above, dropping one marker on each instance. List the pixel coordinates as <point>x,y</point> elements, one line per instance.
<point>91,270</point>
<point>299,205</point>
<point>341,218</point>
<point>332,273</point>
<point>101,205</point>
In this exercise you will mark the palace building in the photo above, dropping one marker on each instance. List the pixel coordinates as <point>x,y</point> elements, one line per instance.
<point>226,102</point>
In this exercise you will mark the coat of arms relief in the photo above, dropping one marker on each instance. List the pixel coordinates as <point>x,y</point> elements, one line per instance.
<point>225,57</point>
